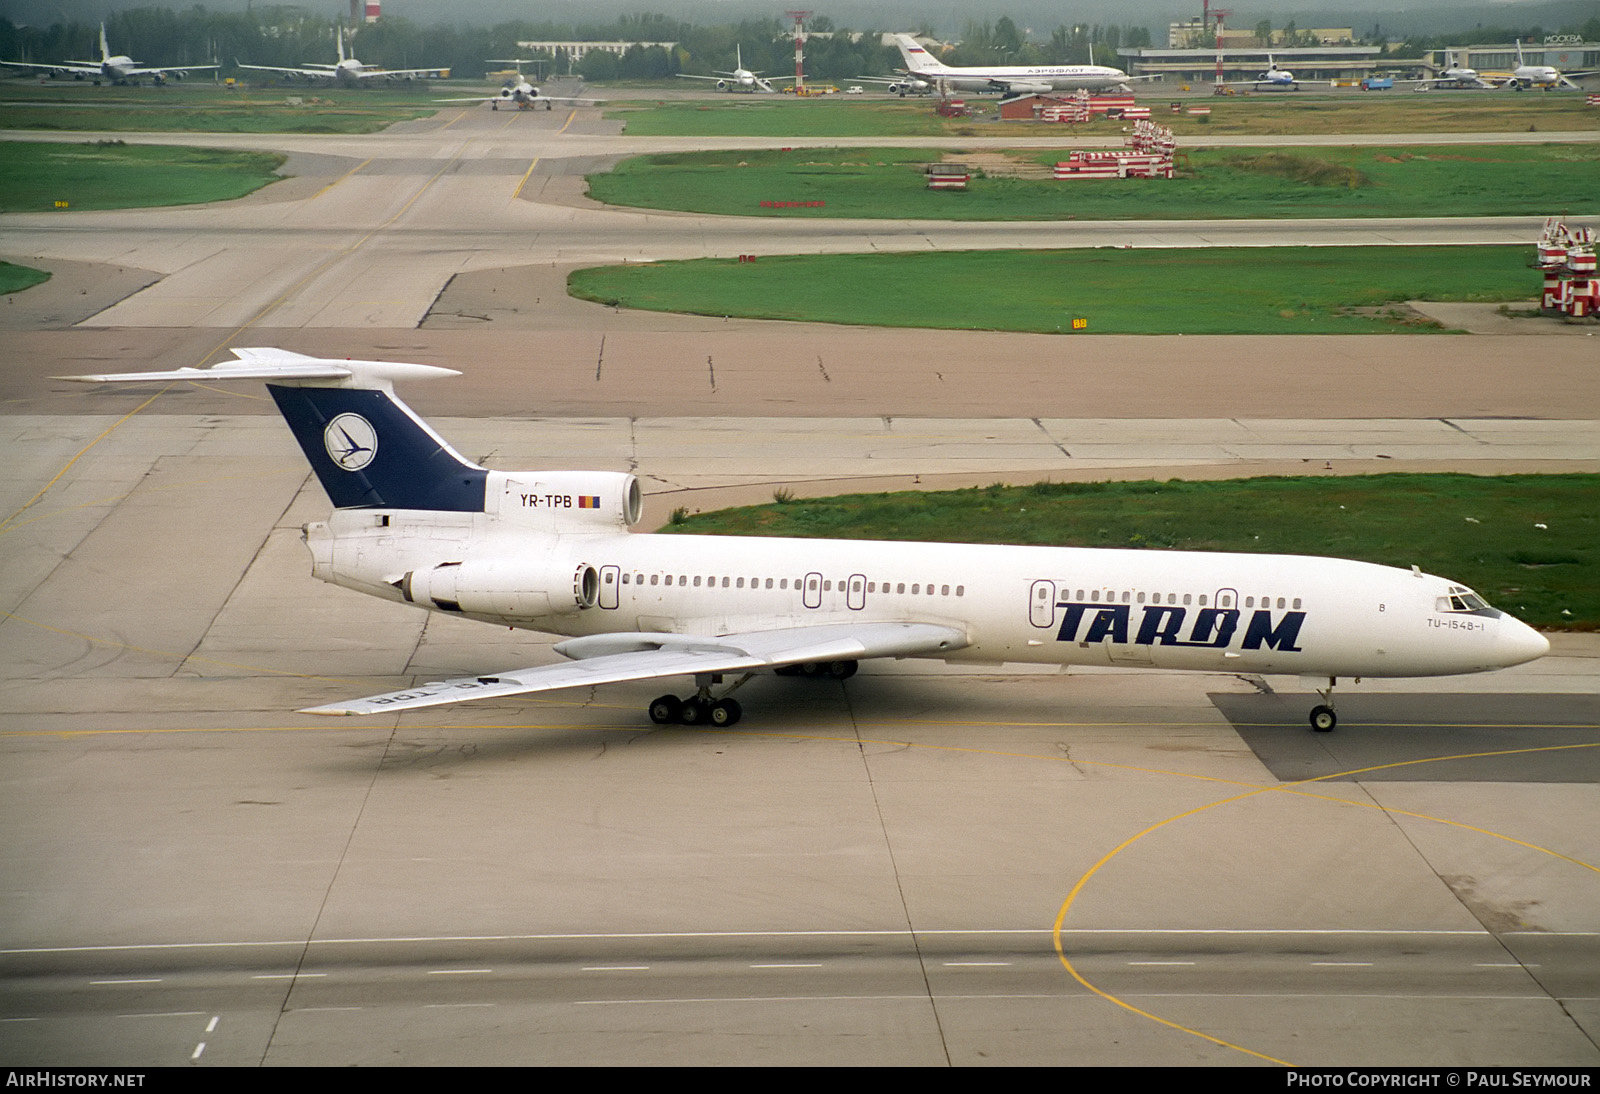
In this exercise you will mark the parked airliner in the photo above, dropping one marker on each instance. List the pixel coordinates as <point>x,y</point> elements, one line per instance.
<point>1273,77</point>
<point>1456,75</point>
<point>740,78</point>
<point>349,71</point>
<point>1010,79</point>
<point>416,523</point>
<point>1526,76</point>
<point>120,69</point>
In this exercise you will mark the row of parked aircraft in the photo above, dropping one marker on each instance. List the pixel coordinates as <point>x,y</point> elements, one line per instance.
<point>114,69</point>
<point>121,69</point>
<point>1524,77</point>
<point>416,523</point>
<point>922,74</point>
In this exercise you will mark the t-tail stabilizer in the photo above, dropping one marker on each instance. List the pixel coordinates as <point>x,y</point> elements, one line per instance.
<point>369,450</point>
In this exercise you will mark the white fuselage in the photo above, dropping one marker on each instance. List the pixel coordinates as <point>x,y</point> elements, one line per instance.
<point>1029,79</point>
<point>1050,605</point>
<point>1008,79</point>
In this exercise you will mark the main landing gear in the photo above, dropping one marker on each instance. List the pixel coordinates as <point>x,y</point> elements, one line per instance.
<point>697,710</point>
<point>700,709</point>
<point>1323,716</point>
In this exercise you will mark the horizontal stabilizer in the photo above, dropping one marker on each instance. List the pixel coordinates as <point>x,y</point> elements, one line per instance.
<point>282,367</point>
<point>652,656</point>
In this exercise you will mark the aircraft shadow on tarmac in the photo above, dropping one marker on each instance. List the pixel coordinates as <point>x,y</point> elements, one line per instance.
<point>1378,730</point>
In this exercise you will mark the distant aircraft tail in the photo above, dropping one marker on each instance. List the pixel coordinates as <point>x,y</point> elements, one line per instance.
<point>369,450</point>
<point>105,46</point>
<point>917,59</point>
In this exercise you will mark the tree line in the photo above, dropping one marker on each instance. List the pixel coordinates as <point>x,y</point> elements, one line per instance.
<point>289,35</point>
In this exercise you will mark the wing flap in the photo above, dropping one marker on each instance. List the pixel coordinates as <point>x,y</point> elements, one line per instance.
<point>618,658</point>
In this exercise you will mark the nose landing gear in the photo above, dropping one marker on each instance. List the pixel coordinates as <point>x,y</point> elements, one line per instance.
<point>1323,716</point>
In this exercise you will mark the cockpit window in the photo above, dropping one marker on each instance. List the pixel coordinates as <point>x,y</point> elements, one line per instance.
<point>1460,599</point>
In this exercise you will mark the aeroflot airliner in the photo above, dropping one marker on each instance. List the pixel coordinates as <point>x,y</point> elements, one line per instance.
<point>551,551</point>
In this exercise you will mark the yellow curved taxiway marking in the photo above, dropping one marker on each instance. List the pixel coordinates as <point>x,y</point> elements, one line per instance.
<point>1287,788</point>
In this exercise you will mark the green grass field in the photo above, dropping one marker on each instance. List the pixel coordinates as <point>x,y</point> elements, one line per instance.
<point>1529,543</point>
<point>1267,113</point>
<point>14,278</point>
<point>208,108</point>
<point>40,176</point>
<point>1223,290</point>
<point>1478,180</point>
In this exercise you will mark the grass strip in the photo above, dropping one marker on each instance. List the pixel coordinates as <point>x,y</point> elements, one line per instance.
<point>208,109</point>
<point>1270,113</point>
<point>14,278</point>
<point>1213,290</point>
<point>889,183</point>
<point>38,176</point>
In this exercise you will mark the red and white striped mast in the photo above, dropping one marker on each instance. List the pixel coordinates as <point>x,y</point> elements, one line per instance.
<point>799,18</point>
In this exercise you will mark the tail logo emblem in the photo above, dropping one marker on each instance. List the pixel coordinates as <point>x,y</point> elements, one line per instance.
<point>351,441</point>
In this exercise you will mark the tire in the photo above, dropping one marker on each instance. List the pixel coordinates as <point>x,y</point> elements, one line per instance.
<point>725,713</point>
<point>1323,719</point>
<point>694,712</point>
<point>666,710</point>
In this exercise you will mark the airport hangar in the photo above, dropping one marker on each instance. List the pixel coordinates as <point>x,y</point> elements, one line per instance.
<point>870,872</point>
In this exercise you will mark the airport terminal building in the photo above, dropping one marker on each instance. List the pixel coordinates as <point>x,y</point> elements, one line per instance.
<point>1349,64</point>
<point>1566,54</point>
<point>1310,64</point>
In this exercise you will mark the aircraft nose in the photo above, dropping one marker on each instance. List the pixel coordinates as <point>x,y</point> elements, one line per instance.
<point>1518,643</point>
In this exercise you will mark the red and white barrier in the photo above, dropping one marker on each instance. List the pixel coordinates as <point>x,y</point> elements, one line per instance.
<point>1148,155</point>
<point>1566,255</point>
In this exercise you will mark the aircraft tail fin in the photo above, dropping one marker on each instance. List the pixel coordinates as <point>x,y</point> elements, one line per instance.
<point>917,59</point>
<point>368,448</point>
<point>105,46</point>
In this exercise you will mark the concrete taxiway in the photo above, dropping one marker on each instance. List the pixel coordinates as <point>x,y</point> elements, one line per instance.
<point>915,866</point>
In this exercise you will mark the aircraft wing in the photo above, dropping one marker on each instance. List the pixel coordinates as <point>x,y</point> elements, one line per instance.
<point>324,73</point>
<point>162,70</point>
<point>398,73</point>
<point>60,66</point>
<point>1436,81</point>
<point>616,658</point>
<point>540,98</point>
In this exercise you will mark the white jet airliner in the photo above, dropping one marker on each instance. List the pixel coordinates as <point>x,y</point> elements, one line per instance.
<point>120,69</point>
<point>416,523</point>
<point>1272,77</point>
<point>519,93</point>
<point>741,78</point>
<point>1010,79</point>
<point>1527,76</point>
<point>349,71</point>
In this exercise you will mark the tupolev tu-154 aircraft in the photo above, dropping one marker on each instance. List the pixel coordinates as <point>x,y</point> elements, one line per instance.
<point>414,522</point>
